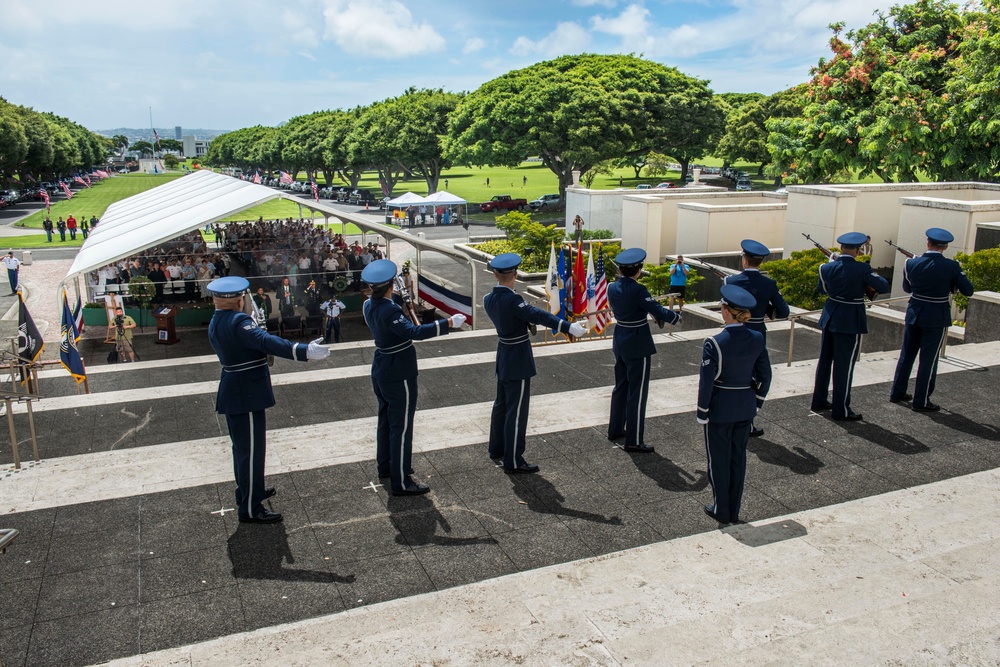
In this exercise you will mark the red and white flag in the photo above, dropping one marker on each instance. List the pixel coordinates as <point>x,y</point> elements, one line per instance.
<point>45,198</point>
<point>101,173</point>
<point>65,189</point>
<point>579,283</point>
<point>286,179</point>
<point>77,179</point>
<point>600,294</point>
<point>256,178</point>
<point>315,191</point>
<point>87,178</point>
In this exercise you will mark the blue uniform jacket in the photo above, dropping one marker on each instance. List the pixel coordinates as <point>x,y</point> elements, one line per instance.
<point>735,375</point>
<point>511,314</point>
<point>844,281</point>
<point>395,359</point>
<point>765,291</point>
<point>631,302</point>
<point>243,347</point>
<point>931,278</point>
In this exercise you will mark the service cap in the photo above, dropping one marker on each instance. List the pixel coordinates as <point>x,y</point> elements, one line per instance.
<point>753,248</point>
<point>228,287</point>
<point>630,257</point>
<point>379,272</point>
<point>852,240</point>
<point>505,263</point>
<point>939,236</point>
<point>737,297</point>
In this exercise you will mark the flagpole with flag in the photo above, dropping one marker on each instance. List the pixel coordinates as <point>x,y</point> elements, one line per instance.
<point>29,340</point>
<point>601,293</point>
<point>579,283</point>
<point>69,355</point>
<point>554,288</point>
<point>591,291</point>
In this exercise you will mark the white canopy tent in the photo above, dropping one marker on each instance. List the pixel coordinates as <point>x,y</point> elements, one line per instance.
<point>406,200</point>
<point>444,198</point>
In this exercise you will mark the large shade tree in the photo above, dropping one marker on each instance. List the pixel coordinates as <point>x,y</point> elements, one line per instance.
<point>574,112</point>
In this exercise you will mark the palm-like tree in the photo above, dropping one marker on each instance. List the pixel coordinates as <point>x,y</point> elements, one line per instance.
<point>121,141</point>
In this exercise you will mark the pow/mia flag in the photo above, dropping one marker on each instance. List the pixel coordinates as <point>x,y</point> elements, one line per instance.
<point>29,340</point>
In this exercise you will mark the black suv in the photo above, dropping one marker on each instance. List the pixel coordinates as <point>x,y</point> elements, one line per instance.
<point>362,196</point>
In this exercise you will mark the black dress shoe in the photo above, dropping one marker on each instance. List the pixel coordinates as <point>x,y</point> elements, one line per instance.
<point>412,490</point>
<point>263,517</point>
<point>901,399</point>
<point>270,492</point>
<point>497,460</point>
<point>930,407</point>
<point>712,514</point>
<point>849,417</point>
<point>756,432</point>
<point>526,468</point>
<point>820,407</point>
<point>619,436</point>
<point>639,449</point>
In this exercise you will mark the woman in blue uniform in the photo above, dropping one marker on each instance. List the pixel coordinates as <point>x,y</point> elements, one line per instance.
<point>394,374</point>
<point>735,378</point>
<point>245,389</point>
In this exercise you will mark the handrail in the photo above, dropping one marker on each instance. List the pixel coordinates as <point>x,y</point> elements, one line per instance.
<point>797,316</point>
<point>7,535</point>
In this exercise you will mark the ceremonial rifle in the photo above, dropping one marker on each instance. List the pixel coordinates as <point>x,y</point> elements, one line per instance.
<point>870,292</point>
<point>261,320</point>
<point>404,294</point>
<point>903,251</point>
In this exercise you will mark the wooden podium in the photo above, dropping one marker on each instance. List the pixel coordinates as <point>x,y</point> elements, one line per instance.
<point>166,334</point>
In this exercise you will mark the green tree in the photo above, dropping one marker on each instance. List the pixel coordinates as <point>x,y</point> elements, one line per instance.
<point>171,145</point>
<point>605,167</point>
<point>142,148</point>
<point>746,126</point>
<point>337,158</point>
<point>797,278</point>
<point>698,124</point>
<point>170,161</point>
<point>121,143</point>
<point>657,164</point>
<point>576,111</point>
<point>13,140</point>
<point>983,269</point>
<point>302,142</point>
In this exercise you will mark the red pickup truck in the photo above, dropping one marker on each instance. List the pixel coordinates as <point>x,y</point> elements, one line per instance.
<point>503,203</point>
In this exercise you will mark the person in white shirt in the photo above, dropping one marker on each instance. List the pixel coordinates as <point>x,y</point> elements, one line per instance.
<point>13,265</point>
<point>332,308</point>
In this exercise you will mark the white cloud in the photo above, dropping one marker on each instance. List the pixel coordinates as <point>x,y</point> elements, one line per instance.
<point>380,28</point>
<point>299,29</point>
<point>592,3</point>
<point>474,44</point>
<point>568,37</point>
<point>632,22</point>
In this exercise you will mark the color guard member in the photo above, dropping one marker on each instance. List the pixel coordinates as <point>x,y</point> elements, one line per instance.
<point>770,303</point>
<point>930,279</point>
<point>245,389</point>
<point>843,322</point>
<point>515,367</point>
<point>633,347</point>
<point>394,375</point>
<point>734,380</point>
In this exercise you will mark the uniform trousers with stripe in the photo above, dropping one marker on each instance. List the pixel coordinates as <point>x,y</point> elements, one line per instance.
<point>726,447</point>
<point>628,399</point>
<point>840,352</point>
<point>397,403</point>
<point>509,422</point>
<point>922,342</point>
<point>248,434</point>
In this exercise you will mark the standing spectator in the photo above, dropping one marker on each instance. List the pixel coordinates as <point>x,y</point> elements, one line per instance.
<point>447,216</point>
<point>524,181</point>
<point>13,270</point>
<point>332,308</point>
<point>678,279</point>
<point>190,274</point>
<point>286,299</point>
<point>48,227</point>
<point>204,277</point>
<point>487,181</point>
<point>438,213</point>
<point>159,280</point>
<point>263,302</point>
<point>411,215</point>
<point>423,214</point>
<point>354,262</point>
<point>71,226</point>
<point>93,222</point>
<point>61,226</point>
<point>84,227</point>
<point>311,294</point>
<point>446,184</point>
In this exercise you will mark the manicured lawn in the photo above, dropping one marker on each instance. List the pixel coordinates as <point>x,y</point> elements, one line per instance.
<point>38,241</point>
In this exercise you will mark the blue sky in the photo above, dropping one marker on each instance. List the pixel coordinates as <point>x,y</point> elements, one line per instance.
<point>225,65</point>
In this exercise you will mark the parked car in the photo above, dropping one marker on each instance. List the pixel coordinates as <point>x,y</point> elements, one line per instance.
<point>545,201</point>
<point>644,186</point>
<point>503,203</point>
<point>744,185</point>
<point>362,196</point>
<point>665,186</point>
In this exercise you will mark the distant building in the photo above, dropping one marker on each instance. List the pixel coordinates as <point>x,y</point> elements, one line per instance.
<point>177,132</point>
<point>195,147</point>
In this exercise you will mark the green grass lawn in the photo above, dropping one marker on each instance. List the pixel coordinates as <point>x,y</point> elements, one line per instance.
<point>38,241</point>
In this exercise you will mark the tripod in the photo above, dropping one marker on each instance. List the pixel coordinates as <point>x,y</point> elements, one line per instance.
<point>122,345</point>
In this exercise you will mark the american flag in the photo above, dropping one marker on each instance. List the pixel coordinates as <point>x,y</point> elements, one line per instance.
<point>256,178</point>
<point>87,178</point>
<point>48,202</point>
<point>286,179</point>
<point>65,189</point>
<point>156,138</point>
<point>101,173</point>
<point>77,179</point>
<point>315,191</point>
<point>601,293</point>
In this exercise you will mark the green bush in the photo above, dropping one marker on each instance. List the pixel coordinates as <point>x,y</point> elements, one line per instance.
<point>797,277</point>
<point>983,269</point>
<point>593,234</point>
<point>658,280</point>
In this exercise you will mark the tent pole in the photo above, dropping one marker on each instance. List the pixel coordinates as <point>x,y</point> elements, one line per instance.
<point>473,320</point>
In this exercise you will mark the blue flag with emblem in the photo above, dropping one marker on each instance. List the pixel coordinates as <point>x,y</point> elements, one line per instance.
<point>69,355</point>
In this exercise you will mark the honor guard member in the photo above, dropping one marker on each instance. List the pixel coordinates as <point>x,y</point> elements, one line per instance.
<point>394,375</point>
<point>515,366</point>
<point>930,279</point>
<point>734,380</point>
<point>769,304</point>
<point>843,322</point>
<point>13,265</point>
<point>245,389</point>
<point>332,308</point>
<point>633,346</point>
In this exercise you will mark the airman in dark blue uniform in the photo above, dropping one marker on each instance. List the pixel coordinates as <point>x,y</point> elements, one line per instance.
<point>245,389</point>
<point>930,279</point>
<point>843,322</point>
<point>633,347</point>
<point>394,375</point>
<point>515,367</point>
<point>734,380</point>
<point>770,303</point>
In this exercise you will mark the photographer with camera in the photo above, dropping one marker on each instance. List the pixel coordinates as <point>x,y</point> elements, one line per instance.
<point>123,335</point>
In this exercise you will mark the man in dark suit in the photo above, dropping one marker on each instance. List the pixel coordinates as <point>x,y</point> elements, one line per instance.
<point>633,347</point>
<point>930,279</point>
<point>734,380</point>
<point>286,299</point>
<point>770,303</point>
<point>842,323</point>
<point>245,389</point>
<point>394,375</point>
<point>515,367</point>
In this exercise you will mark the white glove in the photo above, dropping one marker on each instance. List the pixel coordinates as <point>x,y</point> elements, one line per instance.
<point>577,330</point>
<point>316,351</point>
<point>701,421</point>
<point>680,316</point>
<point>457,320</point>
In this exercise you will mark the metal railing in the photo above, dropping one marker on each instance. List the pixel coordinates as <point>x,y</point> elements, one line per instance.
<point>7,535</point>
<point>23,389</point>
